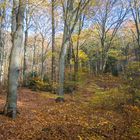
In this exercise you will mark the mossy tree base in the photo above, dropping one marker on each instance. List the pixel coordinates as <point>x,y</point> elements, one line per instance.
<point>59,100</point>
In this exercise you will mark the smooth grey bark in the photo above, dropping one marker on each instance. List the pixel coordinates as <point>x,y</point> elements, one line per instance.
<point>62,62</point>
<point>14,64</point>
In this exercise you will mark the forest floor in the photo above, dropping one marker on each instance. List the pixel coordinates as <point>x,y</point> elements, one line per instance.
<point>96,111</point>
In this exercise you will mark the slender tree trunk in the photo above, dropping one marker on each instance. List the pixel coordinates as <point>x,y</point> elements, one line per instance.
<point>34,54</point>
<point>53,73</point>
<point>17,41</point>
<point>70,62</point>
<point>71,16</point>
<point>25,48</point>
<point>77,59</point>
<point>2,41</point>
<point>42,59</point>
<point>104,58</point>
<point>62,62</point>
<point>24,64</point>
<point>81,21</point>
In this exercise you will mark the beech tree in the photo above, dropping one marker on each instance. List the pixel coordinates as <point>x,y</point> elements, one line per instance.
<point>14,64</point>
<point>71,14</point>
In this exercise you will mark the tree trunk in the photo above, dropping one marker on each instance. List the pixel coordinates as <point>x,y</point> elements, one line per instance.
<point>42,59</point>
<point>25,48</point>
<point>62,63</point>
<point>17,41</point>
<point>53,73</point>
<point>34,54</point>
<point>71,16</point>
<point>2,41</point>
<point>76,67</point>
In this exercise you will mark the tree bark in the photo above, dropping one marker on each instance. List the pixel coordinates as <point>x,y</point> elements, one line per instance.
<point>62,62</point>
<point>2,41</point>
<point>71,16</point>
<point>25,47</point>
<point>53,73</point>
<point>14,65</point>
<point>42,58</point>
<point>34,55</point>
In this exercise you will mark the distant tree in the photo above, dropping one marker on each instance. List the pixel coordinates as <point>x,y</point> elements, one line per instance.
<point>28,19</point>
<point>40,18</point>
<point>135,10</point>
<point>109,18</point>
<point>80,26</point>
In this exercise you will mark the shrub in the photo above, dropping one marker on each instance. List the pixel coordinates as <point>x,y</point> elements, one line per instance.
<point>32,74</point>
<point>46,79</point>
<point>133,81</point>
<point>133,74</point>
<point>38,84</point>
<point>110,99</point>
<point>133,119</point>
<point>69,86</point>
<point>111,66</point>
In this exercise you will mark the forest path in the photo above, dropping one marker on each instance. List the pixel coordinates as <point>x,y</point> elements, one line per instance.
<point>83,116</point>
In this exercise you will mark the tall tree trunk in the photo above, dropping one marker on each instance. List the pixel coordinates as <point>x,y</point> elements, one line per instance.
<point>77,59</point>
<point>53,73</point>
<point>25,47</point>
<point>42,58</point>
<point>24,63</point>
<point>34,55</point>
<point>17,41</point>
<point>2,41</point>
<point>71,16</point>
<point>76,67</point>
<point>70,60</point>
<point>62,62</point>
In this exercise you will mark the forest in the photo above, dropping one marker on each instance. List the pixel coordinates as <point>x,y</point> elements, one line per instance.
<point>69,70</point>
